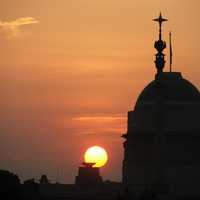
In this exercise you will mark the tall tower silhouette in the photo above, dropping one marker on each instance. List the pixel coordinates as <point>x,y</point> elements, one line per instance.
<point>162,143</point>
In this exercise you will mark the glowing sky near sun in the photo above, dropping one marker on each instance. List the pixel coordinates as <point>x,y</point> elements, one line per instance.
<point>70,71</point>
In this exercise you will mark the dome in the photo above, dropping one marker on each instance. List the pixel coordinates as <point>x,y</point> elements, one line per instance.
<point>172,87</point>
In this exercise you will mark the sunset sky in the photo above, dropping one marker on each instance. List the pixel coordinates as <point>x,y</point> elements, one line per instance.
<point>71,70</point>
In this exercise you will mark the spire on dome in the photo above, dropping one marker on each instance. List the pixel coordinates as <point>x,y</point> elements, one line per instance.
<point>160,45</point>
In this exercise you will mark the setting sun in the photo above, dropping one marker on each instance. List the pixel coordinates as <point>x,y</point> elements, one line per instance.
<point>96,155</point>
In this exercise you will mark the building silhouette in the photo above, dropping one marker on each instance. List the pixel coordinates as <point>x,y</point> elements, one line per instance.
<point>162,143</point>
<point>44,179</point>
<point>88,175</point>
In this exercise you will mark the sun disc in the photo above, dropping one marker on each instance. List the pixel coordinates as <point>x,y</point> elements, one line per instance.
<point>96,155</point>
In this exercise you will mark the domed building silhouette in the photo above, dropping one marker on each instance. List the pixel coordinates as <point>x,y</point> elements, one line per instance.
<point>162,143</point>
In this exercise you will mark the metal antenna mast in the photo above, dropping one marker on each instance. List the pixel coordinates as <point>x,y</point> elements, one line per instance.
<point>170,50</point>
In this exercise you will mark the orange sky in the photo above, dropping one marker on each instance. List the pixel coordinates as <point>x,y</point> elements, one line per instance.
<point>70,71</point>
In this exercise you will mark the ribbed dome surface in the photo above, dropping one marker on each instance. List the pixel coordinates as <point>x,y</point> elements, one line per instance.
<point>172,87</point>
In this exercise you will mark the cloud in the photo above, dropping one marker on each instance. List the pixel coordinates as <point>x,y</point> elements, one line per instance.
<point>98,118</point>
<point>13,28</point>
<point>98,126</point>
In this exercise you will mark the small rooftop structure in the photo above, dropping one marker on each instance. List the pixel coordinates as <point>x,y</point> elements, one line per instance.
<point>88,175</point>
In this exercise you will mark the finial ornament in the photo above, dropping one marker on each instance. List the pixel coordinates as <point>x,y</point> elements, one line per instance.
<point>160,45</point>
